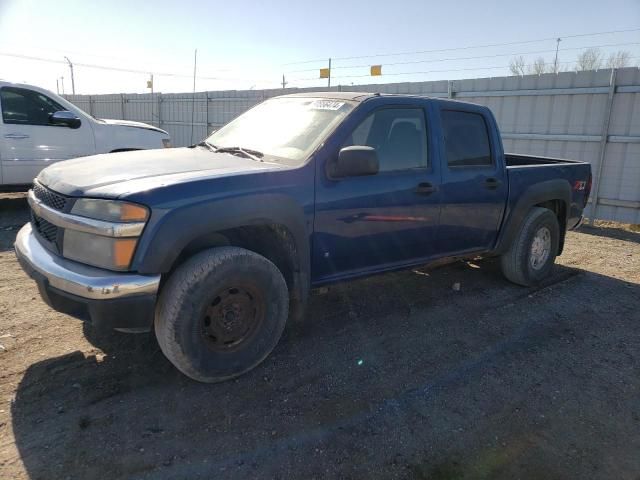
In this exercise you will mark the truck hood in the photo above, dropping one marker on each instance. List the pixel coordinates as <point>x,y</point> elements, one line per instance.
<point>128,123</point>
<point>115,174</point>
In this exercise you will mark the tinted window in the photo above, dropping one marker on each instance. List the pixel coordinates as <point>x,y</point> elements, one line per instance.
<point>466,139</point>
<point>26,107</point>
<point>399,136</point>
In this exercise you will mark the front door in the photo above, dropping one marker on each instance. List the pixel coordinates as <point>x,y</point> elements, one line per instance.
<point>375,222</point>
<point>28,142</point>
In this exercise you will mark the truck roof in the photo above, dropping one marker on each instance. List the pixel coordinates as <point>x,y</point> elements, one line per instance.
<point>362,96</point>
<point>356,96</point>
<point>35,88</point>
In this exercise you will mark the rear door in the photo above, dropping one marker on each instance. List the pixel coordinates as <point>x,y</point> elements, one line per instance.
<point>28,142</point>
<point>474,187</point>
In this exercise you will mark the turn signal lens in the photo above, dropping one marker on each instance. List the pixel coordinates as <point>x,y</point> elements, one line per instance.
<point>132,213</point>
<point>123,251</point>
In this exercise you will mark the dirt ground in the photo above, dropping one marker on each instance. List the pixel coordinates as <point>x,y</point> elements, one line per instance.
<point>396,376</point>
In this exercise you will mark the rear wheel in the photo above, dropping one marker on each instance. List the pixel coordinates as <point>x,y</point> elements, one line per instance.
<point>221,313</point>
<point>533,251</point>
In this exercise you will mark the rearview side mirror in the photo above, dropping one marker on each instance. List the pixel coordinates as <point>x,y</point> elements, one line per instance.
<point>65,118</point>
<point>355,161</point>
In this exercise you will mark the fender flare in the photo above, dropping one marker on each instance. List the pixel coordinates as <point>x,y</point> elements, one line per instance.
<point>170,231</point>
<point>549,190</point>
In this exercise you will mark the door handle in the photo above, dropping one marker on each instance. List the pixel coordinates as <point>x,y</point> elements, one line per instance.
<point>492,183</point>
<point>16,136</point>
<point>425,188</point>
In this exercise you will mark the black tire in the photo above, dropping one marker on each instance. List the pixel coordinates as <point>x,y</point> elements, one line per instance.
<point>523,263</point>
<point>221,313</point>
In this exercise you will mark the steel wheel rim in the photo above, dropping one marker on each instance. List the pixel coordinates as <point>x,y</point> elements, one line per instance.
<point>540,248</point>
<point>232,317</point>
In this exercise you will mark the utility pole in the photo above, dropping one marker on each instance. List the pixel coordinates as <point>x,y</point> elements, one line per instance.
<point>57,87</point>
<point>284,82</point>
<point>62,81</point>
<point>555,62</point>
<point>329,78</point>
<point>73,83</point>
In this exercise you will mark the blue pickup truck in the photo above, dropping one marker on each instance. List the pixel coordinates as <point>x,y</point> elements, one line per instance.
<point>217,245</point>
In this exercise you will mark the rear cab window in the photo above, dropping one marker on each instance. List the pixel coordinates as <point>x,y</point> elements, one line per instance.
<point>466,139</point>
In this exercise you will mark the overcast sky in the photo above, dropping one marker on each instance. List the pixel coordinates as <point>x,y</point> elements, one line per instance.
<point>243,44</point>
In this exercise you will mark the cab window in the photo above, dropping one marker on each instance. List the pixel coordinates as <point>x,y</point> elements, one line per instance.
<point>399,136</point>
<point>466,139</point>
<point>26,107</point>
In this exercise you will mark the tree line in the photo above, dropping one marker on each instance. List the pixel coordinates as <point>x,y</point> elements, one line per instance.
<point>590,59</point>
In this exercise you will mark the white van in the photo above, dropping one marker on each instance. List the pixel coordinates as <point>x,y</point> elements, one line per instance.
<point>38,128</point>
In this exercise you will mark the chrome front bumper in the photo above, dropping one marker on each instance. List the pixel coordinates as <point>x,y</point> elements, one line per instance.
<point>75,278</point>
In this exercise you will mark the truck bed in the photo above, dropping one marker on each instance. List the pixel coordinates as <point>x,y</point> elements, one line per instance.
<point>524,171</point>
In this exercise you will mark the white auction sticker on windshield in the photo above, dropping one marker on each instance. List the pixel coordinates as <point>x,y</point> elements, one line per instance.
<point>326,105</point>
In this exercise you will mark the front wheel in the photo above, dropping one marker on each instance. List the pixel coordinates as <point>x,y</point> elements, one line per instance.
<point>533,251</point>
<point>221,313</point>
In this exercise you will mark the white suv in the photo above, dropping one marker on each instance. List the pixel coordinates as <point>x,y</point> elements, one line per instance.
<point>38,128</point>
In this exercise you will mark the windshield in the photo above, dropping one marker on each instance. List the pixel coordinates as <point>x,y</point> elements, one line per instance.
<point>283,129</point>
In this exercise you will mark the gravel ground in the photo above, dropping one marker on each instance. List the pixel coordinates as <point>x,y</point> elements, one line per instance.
<point>395,376</point>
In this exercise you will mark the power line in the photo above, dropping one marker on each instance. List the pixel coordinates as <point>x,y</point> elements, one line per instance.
<point>412,62</point>
<point>30,57</point>
<point>109,57</point>
<point>440,71</point>
<point>469,47</point>
<point>110,68</point>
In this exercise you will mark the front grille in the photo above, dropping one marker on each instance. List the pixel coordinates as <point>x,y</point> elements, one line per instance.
<point>47,230</point>
<point>49,198</point>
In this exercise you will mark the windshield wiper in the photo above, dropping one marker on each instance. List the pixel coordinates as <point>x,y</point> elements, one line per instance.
<point>247,152</point>
<point>205,144</point>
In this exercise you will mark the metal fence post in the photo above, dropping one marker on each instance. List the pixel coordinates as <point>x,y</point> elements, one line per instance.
<point>159,97</point>
<point>206,106</point>
<point>122,106</point>
<point>91,106</point>
<point>603,145</point>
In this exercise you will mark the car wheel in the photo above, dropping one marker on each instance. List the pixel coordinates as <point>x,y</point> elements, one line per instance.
<point>221,313</point>
<point>533,251</point>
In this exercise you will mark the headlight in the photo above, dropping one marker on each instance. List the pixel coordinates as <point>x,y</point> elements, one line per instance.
<point>110,210</point>
<point>102,250</point>
<point>105,252</point>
